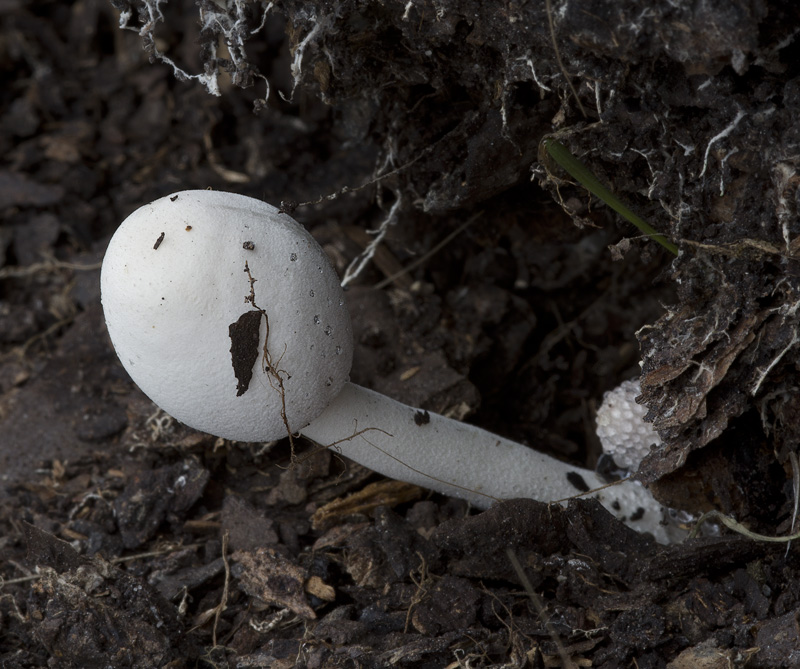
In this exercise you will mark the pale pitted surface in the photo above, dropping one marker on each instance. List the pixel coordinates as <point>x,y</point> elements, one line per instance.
<point>621,427</point>
<point>168,310</point>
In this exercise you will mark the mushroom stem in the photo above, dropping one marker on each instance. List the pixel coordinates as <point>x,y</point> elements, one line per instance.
<point>464,461</point>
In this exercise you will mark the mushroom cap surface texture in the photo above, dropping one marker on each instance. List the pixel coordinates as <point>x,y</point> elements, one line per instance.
<point>193,287</point>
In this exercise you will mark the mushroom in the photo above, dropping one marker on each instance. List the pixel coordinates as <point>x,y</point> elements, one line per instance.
<point>230,317</point>
<point>621,427</point>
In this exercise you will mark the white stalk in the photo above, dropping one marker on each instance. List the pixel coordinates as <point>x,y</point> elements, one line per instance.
<point>465,461</point>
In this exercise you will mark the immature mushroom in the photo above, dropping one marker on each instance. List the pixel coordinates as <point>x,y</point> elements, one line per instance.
<point>621,427</point>
<point>229,316</point>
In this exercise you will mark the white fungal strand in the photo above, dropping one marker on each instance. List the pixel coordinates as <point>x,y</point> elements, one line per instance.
<point>624,434</point>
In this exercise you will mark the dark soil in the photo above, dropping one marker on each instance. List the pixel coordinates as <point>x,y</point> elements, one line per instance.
<point>129,540</point>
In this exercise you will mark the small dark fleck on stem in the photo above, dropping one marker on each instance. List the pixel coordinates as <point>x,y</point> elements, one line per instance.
<point>422,417</point>
<point>638,514</point>
<point>158,241</point>
<point>577,481</point>
<point>188,227</point>
<point>248,246</point>
<point>173,198</point>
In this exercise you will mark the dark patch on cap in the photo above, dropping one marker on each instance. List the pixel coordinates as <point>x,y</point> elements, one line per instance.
<point>158,242</point>
<point>248,246</point>
<point>244,348</point>
<point>616,505</point>
<point>577,481</point>
<point>638,514</point>
<point>172,198</point>
<point>422,417</point>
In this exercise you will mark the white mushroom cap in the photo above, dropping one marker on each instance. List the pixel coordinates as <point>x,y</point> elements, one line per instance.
<point>173,282</point>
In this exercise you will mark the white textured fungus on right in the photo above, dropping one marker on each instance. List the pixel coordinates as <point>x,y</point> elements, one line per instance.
<point>624,434</point>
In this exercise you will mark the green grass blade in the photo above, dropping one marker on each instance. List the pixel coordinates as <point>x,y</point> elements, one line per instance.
<point>578,171</point>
